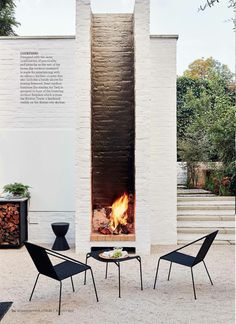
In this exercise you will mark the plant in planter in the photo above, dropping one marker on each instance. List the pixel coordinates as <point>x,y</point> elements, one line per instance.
<point>17,190</point>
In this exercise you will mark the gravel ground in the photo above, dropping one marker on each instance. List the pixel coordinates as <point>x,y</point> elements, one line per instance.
<point>171,302</point>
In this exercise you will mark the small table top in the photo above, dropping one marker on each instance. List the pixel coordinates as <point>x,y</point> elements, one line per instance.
<point>95,255</point>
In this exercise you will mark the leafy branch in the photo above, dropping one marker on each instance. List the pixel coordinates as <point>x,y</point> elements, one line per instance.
<point>211,3</point>
<point>17,189</point>
<point>7,18</point>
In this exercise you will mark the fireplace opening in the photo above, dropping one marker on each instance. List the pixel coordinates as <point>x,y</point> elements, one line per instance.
<point>112,127</point>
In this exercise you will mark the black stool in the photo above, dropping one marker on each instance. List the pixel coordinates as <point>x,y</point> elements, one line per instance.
<point>60,230</point>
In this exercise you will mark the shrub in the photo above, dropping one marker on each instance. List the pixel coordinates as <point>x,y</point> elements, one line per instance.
<point>222,181</point>
<point>17,189</point>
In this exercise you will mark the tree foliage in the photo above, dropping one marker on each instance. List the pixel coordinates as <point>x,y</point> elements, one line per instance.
<point>188,89</point>
<point>211,3</point>
<point>7,18</point>
<point>208,69</point>
<point>206,113</point>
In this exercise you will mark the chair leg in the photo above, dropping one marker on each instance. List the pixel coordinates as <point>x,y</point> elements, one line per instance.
<point>169,271</point>
<point>106,270</point>
<point>59,310</point>
<point>193,284</point>
<point>94,284</point>
<point>155,281</point>
<point>34,287</point>
<point>85,273</point>
<point>73,288</point>
<point>207,272</point>
<point>140,269</point>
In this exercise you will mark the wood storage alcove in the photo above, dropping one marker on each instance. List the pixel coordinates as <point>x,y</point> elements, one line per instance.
<point>13,222</point>
<point>113,128</point>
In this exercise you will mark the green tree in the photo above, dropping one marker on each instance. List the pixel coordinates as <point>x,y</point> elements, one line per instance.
<point>7,18</point>
<point>221,126</point>
<point>206,120</point>
<point>194,145</point>
<point>210,136</point>
<point>208,69</point>
<point>204,79</point>
<point>211,132</point>
<point>187,90</point>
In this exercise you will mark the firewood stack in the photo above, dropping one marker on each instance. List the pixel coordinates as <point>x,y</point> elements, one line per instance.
<point>9,224</point>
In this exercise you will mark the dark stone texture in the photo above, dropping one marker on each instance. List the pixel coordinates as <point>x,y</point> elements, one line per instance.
<point>113,115</point>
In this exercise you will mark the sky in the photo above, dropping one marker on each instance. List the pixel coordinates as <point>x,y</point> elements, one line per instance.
<point>201,34</point>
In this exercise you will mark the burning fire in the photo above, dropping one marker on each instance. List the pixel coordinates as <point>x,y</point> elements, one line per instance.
<point>119,212</point>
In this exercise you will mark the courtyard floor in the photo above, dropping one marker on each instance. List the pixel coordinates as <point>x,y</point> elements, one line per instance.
<point>171,302</point>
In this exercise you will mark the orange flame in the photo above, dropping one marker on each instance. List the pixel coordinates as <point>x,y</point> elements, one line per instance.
<point>119,212</point>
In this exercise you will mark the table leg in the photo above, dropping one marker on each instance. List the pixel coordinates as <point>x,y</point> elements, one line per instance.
<point>106,270</point>
<point>118,265</point>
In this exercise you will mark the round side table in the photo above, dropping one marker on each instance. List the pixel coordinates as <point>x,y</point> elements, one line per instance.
<point>60,230</point>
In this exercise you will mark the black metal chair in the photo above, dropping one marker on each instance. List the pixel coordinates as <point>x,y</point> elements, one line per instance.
<point>59,272</point>
<point>188,260</point>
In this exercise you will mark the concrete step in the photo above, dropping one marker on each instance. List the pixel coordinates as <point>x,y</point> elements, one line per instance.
<point>205,230</point>
<point>194,195</point>
<point>191,234</point>
<point>206,199</point>
<point>181,186</point>
<point>205,212</point>
<point>205,218</point>
<point>193,191</point>
<point>192,237</point>
<point>205,207</point>
<point>200,212</point>
<point>206,223</point>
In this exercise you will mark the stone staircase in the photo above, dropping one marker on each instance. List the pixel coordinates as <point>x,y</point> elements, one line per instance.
<point>200,212</point>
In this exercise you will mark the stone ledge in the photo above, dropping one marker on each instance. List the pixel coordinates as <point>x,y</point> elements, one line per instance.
<point>167,36</point>
<point>37,37</point>
<point>121,237</point>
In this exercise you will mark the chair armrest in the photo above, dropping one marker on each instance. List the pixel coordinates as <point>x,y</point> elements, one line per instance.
<point>63,257</point>
<point>182,247</point>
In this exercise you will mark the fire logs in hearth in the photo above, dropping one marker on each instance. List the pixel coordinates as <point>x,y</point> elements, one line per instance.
<point>9,224</point>
<point>117,219</point>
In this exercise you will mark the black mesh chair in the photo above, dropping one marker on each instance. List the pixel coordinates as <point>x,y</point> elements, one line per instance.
<point>188,260</point>
<point>59,272</point>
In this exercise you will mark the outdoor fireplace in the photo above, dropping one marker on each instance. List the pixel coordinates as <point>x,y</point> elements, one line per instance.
<point>112,127</point>
<point>125,130</point>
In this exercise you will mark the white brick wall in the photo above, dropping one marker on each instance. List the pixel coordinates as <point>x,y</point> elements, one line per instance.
<point>142,127</point>
<point>38,141</point>
<point>50,147</point>
<point>83,126</point>
<point>163,181</point>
